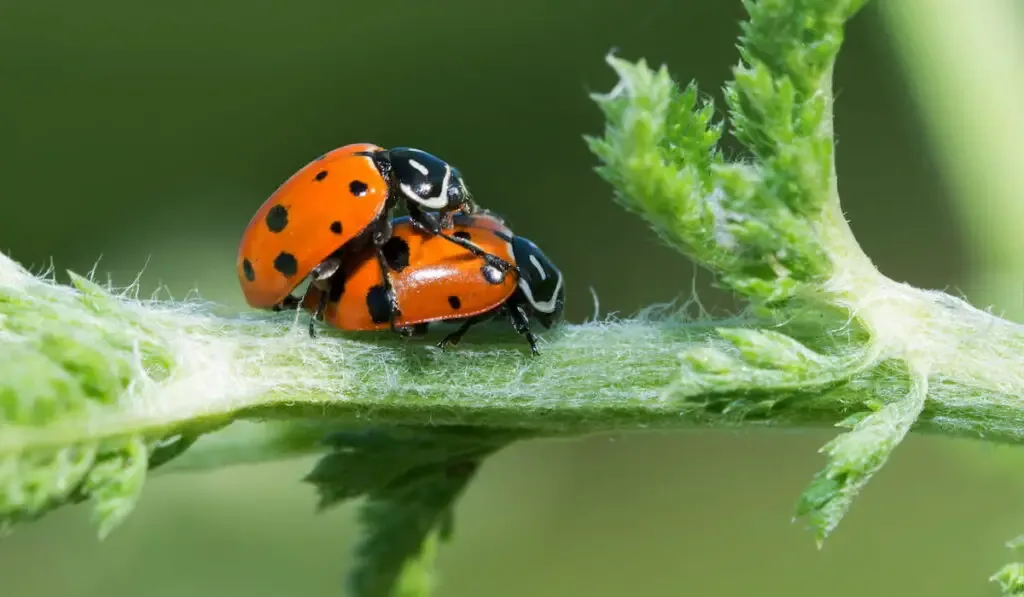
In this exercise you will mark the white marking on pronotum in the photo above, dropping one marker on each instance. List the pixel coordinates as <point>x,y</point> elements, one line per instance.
<point>423,169</point>
<point>438,202</point>
<point>538,267</point>
<point>547,306</point>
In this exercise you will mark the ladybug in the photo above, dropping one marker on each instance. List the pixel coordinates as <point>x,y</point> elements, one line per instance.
<point>435,281</point>
<point>342,202</point>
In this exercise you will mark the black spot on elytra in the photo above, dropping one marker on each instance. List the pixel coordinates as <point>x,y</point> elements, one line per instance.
<point>454,302</point>
<point>358,188</point>
<point>378,305</point>
<point>277,218</point>
<point>463,234</point>
<point>250,274</point>
<point>336,227</point>
<point>396,253</point>
<point>320,175</point>
<point>286,264</point>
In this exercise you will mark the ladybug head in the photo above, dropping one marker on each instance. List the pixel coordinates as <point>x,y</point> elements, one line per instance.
<point>428,181</point>
<point>540,282</point>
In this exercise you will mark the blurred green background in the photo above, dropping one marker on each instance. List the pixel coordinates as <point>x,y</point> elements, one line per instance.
<point>148,133</point>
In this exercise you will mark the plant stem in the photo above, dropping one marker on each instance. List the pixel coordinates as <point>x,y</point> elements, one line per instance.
<point>591,377</point>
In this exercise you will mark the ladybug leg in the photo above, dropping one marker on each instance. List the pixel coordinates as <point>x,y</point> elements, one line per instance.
<point>323,276</point>
<point>380,237</point>
<point>453,338</point>
<point>428,223</point>
<point>447,220</point>
<point>521,323</point>
<point>408,331</point>
<point>318,313</point>
<point>393,311</point>
<point>292,302</point>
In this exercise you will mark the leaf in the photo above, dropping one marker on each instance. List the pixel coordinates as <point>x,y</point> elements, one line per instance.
<point>33,484</point>
<point>115,484</point>
<point>1010,579</point>
<point>368,461</point>
<point>401,526</point>
<point>411,479</point>
<point>856,456</point>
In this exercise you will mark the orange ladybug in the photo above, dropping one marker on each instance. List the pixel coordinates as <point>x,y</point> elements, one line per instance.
<point>436,281</point>
<point>343,202</point>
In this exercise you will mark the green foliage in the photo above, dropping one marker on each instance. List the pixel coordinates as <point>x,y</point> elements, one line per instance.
<point>757,225</point>
<point>856,456</point>
<point>115,483</point>
<point>1011,576</point>
<point>58,371</point>
<point>410,479</point>
<point>775,364</point>
<point>760,225</point>
<point>99,387</point>
<point>771,229</point>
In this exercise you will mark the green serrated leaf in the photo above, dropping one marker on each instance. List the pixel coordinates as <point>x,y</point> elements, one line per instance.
<point>411,479</point>
<point>753,223</point>
<point>402,524</point>
<point>33,483</point>
<point>708,359</point>
<point>34,389</point>
<point>855,457</point>
<point>364,462</point>
<point>761,361</point>
<point>115,482</point>
<point>1010,579</point>
<point>772,350</point>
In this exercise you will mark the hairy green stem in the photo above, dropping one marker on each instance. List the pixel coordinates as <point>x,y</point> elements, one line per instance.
<point>97,388</point>
<point>597,376</point>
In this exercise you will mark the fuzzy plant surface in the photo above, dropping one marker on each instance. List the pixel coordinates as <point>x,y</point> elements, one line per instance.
<point>99,388</point>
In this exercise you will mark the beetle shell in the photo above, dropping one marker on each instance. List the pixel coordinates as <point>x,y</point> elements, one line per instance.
<point>433,279</point>
<point>326,204</point>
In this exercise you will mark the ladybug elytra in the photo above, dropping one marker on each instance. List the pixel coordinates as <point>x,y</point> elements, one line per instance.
<point>341,203</point>
<point>435,282</point>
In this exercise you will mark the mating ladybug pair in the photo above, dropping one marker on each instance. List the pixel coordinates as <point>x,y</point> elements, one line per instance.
<point>445,261</point>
